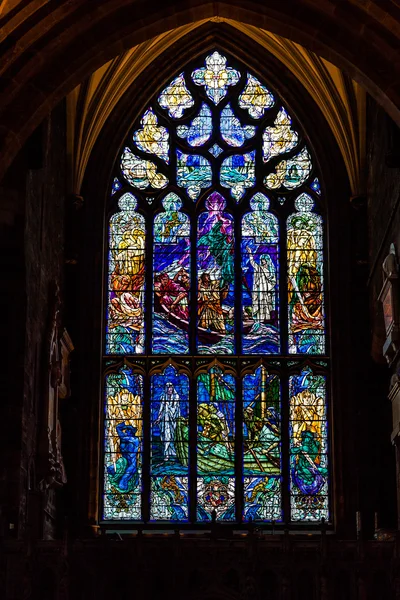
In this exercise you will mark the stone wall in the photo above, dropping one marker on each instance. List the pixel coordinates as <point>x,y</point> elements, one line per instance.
<point>32,241</point>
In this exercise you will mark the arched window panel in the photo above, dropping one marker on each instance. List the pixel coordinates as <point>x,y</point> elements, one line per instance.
<point>260,279</point>
<point>308,430</point>
<point>305,264</point>
<point>215,276</point>
<point>126,279</point>
<point>123,445</point>
<point>217,206</point>
<point>169,446</point>
<point>216,458</point>
<point>171,278</point>
<point>262,457</point>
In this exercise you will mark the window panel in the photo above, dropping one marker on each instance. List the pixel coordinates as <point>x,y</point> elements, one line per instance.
<point>260,279</point>
<point>169,446</point>
<point>308,447</point>
<point>305,279</point>
<point>171,277</point>
<point>126,279</point>
<point>262,460</point>
<point>179,443</point>
<point>123,448</point>
<point>215,276</point>
<point>216,394</point>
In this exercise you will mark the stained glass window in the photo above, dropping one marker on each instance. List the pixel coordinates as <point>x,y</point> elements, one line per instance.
<point>215,353</point>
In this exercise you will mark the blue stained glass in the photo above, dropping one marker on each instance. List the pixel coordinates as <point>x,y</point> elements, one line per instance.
<point>193,172</point>
<point>126,279</point>
<point>123,445</point>
<point>115,186</point>
<point>260,277</point>
<point>305,279</point>
<point>215,150</point>
<point>215,277</point>
<point>238,172</point>
<point>216,395</point>
<point>315,185</point>
<point>232,132</point>
<point>200,129</point>
<point>216,77</point>
<point>171,273</point>
<point>308,431</point>
<point>262,447</point>
<point>169,446</point>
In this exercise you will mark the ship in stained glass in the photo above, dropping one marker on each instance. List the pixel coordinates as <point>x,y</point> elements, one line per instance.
<point>216,393</point>
<point>126,279</point>
<point>215,277</point>
<point>262,446</point>
<point>171,275</point>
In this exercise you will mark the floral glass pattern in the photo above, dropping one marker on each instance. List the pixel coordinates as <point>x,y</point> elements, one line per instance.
<point>216,362</point>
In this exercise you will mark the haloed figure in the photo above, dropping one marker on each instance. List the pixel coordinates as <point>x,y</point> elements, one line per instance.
<point>264,281</point>
<point>167,417</point>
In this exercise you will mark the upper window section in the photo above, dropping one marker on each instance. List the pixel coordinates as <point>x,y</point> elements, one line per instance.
<point>216,237</point>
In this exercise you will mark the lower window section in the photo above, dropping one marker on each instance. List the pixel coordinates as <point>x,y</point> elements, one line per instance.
<point>262,446</point>
<point>169,446</point>
<point>308,447</point>
<point>216,399</point>
<point>123,445</point>
<point>225,441</point>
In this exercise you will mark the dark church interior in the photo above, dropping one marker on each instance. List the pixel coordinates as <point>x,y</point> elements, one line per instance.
<point>76,78</point>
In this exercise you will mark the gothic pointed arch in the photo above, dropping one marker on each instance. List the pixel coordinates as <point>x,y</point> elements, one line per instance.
<point>216,302</point>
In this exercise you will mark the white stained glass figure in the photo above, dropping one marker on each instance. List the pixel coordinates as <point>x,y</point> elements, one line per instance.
<point>280,137</point>
<point>216,77</point>
<point>176,98</point>
<point>255,98</point>
<point>232,132</point>
<point>152,138</point>
<point>193,172</point>
<point>238,173</point>
<point>141,173</point>
<point>290,173</point>
<point>200,129</point>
